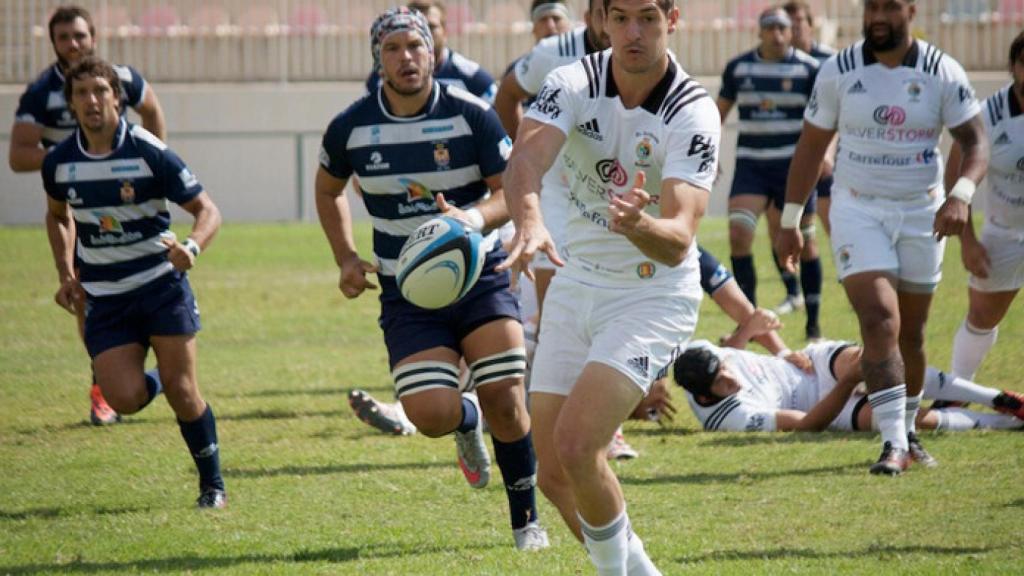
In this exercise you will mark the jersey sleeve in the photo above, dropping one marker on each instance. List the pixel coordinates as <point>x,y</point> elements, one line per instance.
<point>734,415</point>
<point>31,107</point>
<point>483,86</point>
<point>557,101</point>
<point>133,84</point>
<point>531,70</point>
<point>728,89</point>
<point>694,135</point>
<point>48,173</point>
<point>713,275</point>
<point>333,152</point>
<point>493,143</point>
<point>179,183</point>
<point>823,107</point>
<point>958,101</point>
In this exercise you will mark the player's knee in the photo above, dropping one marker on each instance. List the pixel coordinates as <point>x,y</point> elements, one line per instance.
<point>575,452</point>
<point>878,323</point>
<point>551,480</point>
<point>504,368</point>
<point>742,225</point>
<point>425,389</point>
<point>125,398</point>
<point>912,340</point>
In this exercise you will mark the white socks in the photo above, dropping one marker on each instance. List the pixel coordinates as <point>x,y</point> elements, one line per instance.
<point>888,409</point>
<point>970,345</point>
<point>910,415</point>
<point>941,386</point>
<point>958,419</point>
<point>615,550</point>
<point>639,564</point>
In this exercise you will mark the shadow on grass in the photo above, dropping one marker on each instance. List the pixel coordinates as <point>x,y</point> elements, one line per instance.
<point>811,554</point>
<point>82,425</point>
<point>50,513</point>
<point>659,432</point>
<point>330,469</point>
<point>179,564</point>
<point>283,414</point>
<point>291,392</point>
<point>742,440</point>
<point>730,477</point>
<point>1018,503</point>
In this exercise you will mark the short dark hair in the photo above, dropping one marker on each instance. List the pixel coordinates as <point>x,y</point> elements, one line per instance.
<point>424,5</point>
<point>68,14</point>
<point>665,5</point>
<point>696,369</point>
<point>795,6</point>
<point>1016,48</point>
<point>93,67</point>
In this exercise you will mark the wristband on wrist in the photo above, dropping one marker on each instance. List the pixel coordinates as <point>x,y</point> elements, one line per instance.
<point>783,353</point>
<point>193,247</point>
<point>791,215</point>
<point>475,219</point>
<point>963,190</point>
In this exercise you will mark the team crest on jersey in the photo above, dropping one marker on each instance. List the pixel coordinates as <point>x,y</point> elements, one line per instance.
<point>609,170</point>
<point>646,270</point>
<point>787,85</point>
<point>415,190</point>
<point>767,105</point>
<point>127,192</point>
<point>643,153</point>
<point>913,90</point>
<point>110,224</point>
<point>441,155</point>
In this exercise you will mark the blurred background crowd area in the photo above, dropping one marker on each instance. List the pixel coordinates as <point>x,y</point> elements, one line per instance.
<point>327,40</point>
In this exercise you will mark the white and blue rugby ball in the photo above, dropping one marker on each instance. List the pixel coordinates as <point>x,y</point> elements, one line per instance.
<point>439,263</point>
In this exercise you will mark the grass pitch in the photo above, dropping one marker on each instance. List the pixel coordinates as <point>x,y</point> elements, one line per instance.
<point>314,491</point>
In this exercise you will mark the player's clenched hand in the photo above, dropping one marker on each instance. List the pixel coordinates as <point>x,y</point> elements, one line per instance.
<point>627,211</point>
<point>657,405</point>
<point>762,322</point>
<point>951,218</point>
<point>353,276</point>
<point>788,245</point>
<point>974,256</point>
<point>70,296</point>
<point>180,256</point>
<point>531,237</point>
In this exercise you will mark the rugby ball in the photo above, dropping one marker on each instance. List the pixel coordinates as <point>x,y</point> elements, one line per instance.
<point>439,263</point>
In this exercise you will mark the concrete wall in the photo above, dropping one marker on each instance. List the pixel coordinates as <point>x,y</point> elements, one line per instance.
<point>254,146</point>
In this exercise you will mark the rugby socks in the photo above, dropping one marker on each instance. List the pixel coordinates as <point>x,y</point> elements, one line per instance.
<point>518,465</point>
<point>942,386</point>
<point>959,419</point>
<point>638,563</point>
<point>153,386</point>
<point>470,416</point>
<point>788,278</point>
<point>810,283</point>
<point>608,545</point>
<point>910,416</point>
<point>201,437</point>
<point>888,408</point>
<point>746,277</point>
<point>970,345</point>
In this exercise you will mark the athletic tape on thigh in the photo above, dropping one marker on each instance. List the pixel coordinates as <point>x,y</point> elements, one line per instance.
<point>419,376</point>
<point>503,365</point>
<point>917,287</point>
<point>744,218</point>
<point>808,231</point>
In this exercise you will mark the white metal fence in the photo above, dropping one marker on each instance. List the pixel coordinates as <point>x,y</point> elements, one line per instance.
<point>301,40</point>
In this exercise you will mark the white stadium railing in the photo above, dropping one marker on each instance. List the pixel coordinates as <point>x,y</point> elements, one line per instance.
<point>310,40</point>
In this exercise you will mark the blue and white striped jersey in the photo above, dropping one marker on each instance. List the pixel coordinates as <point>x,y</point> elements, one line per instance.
<point>821,52</point>
<point>43,102</point>
<point>458,71</point>
<point>119,203</point>
<point>771,97</point>
<point>402,162</point>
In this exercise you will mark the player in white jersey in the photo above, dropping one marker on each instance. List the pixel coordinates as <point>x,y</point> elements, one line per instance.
<point>628,295</point>
<point>996,262</point>
<point>739,391</point>
<point>888,97</point>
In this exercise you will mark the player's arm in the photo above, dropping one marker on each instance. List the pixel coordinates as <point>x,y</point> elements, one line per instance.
<point>973,254</point>
<point>486,215</point>
<point>206,221</point>
<point>724,107</point>
<point>152,114</point>
<point>668,238</point>
<point>26,153</point>
<point>804,172</point>
<point>507,103</point>
<point>972,165</point>
<point>336,220</point>
<point>60,231</point>
<point>849,374</point>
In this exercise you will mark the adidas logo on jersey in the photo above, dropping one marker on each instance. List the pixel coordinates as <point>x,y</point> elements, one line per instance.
<point>1002,140</point>
<point>640,364</point>
<point>857,88</point>
<point>591,130</point>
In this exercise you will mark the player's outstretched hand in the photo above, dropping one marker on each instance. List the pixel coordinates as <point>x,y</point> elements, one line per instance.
<point>974,256</point>
<point>70,296</point>
<point>627,211</point>
<point>531,237</point>
<point>951,218</point>
<point>451,210</point>
<point>353,280</point>
<point>788,245</point>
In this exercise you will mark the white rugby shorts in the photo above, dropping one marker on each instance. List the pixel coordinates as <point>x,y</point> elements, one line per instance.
<point>1005,247</point>
<point>876,234</point>
<point>638,332</point>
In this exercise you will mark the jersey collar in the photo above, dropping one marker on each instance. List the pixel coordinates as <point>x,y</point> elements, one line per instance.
<point>119,134</point>
<point>909,60</point>
<point>657,96</point>
<point>435,94</point>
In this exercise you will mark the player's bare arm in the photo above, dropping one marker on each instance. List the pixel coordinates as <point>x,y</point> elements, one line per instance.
<point>825,411</point>
<point>60,230</point>
<point>973,164</point>
<point>26,155</point>
<point>973,254</point>
<point>668,238</point>
<point>507,103</point>
<point>724,107</point>
<point>336,220</point>
<point>152,114</point>
<point>804,172</point>
<point>539,145</point>
<point>205,225</point>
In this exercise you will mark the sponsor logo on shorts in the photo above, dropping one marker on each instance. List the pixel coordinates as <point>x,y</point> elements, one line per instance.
<point>845,257</point>
<point>640,364</point>
<point>755,423</point>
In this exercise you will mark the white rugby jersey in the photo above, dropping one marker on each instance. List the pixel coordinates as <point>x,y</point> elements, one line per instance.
<point>890,119</point>
<point>675,133</point>
<point>1004,123</point>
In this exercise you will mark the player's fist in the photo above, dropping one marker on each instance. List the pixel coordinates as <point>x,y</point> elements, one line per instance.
<point>353,281</point>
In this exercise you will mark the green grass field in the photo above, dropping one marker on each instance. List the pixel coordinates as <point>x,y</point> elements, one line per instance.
<point>314,491</point>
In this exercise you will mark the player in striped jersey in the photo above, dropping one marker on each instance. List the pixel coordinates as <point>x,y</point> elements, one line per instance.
<point>770,85</point>
<point>739,391</point>
<point>630,289</point>
<point>43,119</point>
<point>450,67</point>
<point>108,185</point>
<point>421,148</point>
<point>888,97</point>
<point>996,261</point>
